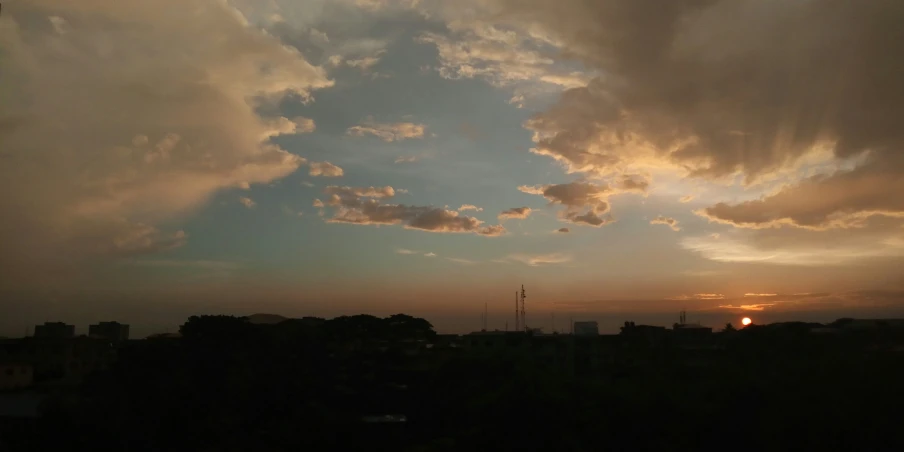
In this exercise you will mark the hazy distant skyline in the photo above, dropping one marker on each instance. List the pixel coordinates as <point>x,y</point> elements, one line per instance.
<point>327,157</point>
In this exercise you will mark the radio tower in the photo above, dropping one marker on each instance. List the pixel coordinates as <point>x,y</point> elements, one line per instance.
<point>523,319</point>
<point>517,317</point>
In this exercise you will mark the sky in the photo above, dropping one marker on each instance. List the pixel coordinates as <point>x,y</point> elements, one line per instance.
<point>623,159</point>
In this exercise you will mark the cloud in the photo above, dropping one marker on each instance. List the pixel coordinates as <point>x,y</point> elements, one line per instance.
<point>338,192</point>
<point>724,88</point>
<point>461,261</point>
<point>800,247</point>
<point>795,301</point>
<point>191,85</point>
<point>247,202</point>
<point>686,199</point>
<point>518,213</point>
<point>318,203</point>
<point>407,159</point>
<point>699,296</point>
<point>304,125</point>
<point>351,207</point>
<point>325,169</point>
<point>748,307</point>
<point>130,239</point>
<point>476,48</point>
<point>429,254</point>
<point>692,81</point>
<point>576,196</point>
<point>563,230</point>
<point>362,63</point>
<point>379,5</point>
<point>465,207</point>
<point>404,251</point>
<point>774,301</point>
<point>540,259</point>
<point>307,184</point>
<point>670,222</point>
<point>388,132</point>
<point>841,200</point>
<point>633,183</point>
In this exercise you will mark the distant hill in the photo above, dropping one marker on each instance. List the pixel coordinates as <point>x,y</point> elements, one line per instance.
<point>266,319</point>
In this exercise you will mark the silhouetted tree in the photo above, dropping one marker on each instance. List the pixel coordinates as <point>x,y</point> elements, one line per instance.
<point>729,328</point>
<point>216,327</point>
<point>402,326</point>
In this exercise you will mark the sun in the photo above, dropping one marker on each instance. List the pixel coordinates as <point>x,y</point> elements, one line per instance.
<point>746,321</point>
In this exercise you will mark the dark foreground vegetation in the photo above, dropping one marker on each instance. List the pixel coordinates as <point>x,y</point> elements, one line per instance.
<point>311,384</point>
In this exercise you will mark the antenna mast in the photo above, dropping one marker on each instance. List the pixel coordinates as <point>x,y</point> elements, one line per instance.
<point>517,317</point>
<point>523,318</point>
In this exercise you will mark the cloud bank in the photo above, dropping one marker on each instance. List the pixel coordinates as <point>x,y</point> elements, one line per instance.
<point>117,116</point>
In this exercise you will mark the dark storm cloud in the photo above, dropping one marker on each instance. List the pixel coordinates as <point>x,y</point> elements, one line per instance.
<point>717,87</point>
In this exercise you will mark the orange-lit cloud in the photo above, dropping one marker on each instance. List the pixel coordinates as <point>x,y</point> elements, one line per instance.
<point>304,125</point>
<point>670,222</point>
<point>699,296</point>
<point>465,207</point>
<point>518,213</point>
<point>359,192</point>
<point>325,169</point>
<point>194,127</point>
<point>350,207</point>
<point>748,307</point>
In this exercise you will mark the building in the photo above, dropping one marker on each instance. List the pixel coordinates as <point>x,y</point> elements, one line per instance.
<point>586,329</point>
<point>55,330</point>
<point>15,375</point>
<point>113,331</point>
<point>54,359</point>
<point>692,330</point>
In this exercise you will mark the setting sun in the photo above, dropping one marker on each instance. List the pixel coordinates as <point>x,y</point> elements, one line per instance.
<point>746,321</point>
